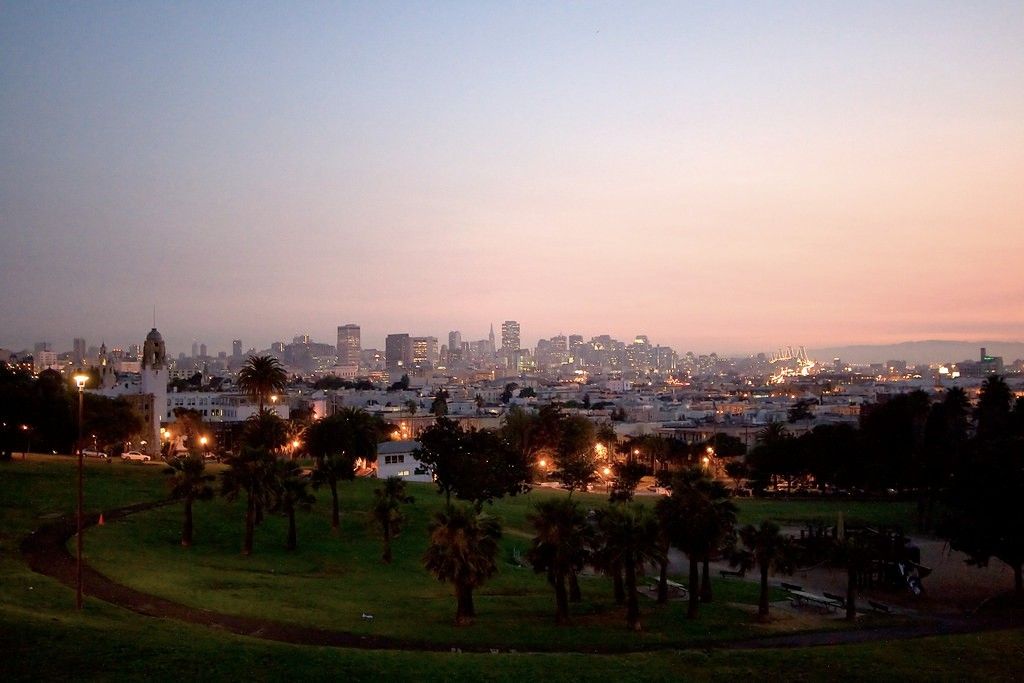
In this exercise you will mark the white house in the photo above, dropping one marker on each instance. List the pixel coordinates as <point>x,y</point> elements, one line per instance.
<point>397,459</point>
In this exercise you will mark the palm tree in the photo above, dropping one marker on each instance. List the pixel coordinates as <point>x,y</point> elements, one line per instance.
<point>189,484</point>
<point>387,511</point>
<point>665,511</point>
<point>266,432</point>
<point>560,546</point>
<point>856,553</point>
<point>336,442</point>
<point>260,377</point>
<point>250,471</point>
<point>702,517</point>
<point>463,551</point>
<point>766,549</point>
<point>291,494</point>
<point>631,542</point>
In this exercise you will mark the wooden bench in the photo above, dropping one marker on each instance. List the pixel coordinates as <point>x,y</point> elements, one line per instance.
<point>791,586</point>
<point>801,598</point>
<point>838,598</point>
<point>879,607</point>
<point>727,573</point>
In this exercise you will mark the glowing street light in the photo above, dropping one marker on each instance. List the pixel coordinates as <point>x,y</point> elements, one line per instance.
<point>80,381</point>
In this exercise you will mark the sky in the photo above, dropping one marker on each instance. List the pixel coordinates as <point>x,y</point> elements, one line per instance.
<point>728,177</point>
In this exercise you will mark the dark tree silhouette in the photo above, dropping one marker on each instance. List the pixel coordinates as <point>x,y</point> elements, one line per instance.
<point>560,546</point>
<point>260,377</point>
<point>386,512</point>
<point>766,549</point>
<point>463,551</point>
<point>189,482</point>
<point>336,443</point>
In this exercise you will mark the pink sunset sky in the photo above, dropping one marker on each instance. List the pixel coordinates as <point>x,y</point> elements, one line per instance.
<point>728,178</point>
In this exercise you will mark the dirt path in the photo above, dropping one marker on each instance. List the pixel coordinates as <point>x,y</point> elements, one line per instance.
<point>45,551</point>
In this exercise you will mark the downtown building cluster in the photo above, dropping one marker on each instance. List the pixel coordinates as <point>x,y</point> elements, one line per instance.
<point>638,386</point>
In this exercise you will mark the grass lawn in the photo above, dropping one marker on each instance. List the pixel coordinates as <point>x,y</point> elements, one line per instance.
<point>43,638</point>
<point>332,580</point>
<point>800,512</point>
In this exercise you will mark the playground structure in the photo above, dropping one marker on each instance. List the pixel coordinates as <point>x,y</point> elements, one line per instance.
<point>886,558</point>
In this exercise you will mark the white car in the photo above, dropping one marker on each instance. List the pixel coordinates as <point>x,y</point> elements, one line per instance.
<point>94,454</point>
<point>135,456</point>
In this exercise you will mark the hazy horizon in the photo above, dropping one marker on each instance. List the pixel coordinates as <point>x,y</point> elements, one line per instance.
<point>729,178</point>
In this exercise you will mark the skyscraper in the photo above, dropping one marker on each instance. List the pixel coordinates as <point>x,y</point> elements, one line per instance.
<point>195,348</point>
<point>236,349</point>
<point>349,344</point>
<point>397,351</point>
<point>510,337</point>
<point>78,354</point>
<point>454,340</point>
<point>424,351</point>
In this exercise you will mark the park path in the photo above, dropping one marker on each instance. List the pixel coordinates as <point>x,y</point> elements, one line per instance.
<point>45,551</point>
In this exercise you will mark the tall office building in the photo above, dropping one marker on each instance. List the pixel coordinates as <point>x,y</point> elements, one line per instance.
<point>202,350</point>
<point>78,352</point>
<point>236,349</point>
<point>424,351</point>
<point>510,337</point>
<point>454,340</point>
<point>349,345</point>
<point>397,351</point>
<point>195,348</point>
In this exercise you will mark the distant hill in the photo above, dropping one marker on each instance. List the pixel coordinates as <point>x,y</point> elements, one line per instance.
<point>917,352</point>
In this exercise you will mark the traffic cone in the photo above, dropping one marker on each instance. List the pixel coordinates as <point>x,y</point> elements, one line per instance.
<point>101,519</point>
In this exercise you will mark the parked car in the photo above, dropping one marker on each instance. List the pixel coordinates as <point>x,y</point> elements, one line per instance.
<point>94,454</point>
<point>135,456</point>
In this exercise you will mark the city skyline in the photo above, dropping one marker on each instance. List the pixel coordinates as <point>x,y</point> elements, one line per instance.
<point>726,178</point>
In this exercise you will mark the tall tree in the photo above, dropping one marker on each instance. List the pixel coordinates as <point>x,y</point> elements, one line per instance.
<point>442,447</point>
<point>260,377</point>
<point>189,482</point>
<point>767,549</point>
<point>984,519</point>
<point>291,494</point>
<point>387,511</point>
<point>574,455</point>
<point>463,551</point>
<point>267,433</point>
<point>336,443</point>
<point>439,406</point>
<point>475,465</point>
<point>250,472</point>
<point>993,411</point>
<point>856,553</point>
<point>630,537</point>
<point>627,477</point>
<point>560,546</point>
<point>704,516</point>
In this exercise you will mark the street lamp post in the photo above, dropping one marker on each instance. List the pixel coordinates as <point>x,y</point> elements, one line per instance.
<point>28,441</point>
<point>80,381</point>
